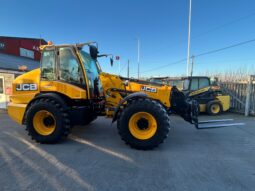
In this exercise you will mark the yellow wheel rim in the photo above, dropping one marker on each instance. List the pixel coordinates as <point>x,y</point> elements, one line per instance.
<point>215,108</point>
<point>44,122</point>
<point>142,125</point>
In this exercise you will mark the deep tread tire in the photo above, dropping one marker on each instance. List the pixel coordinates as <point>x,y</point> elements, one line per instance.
<point>60,114</point>
<point>157,111</point>
<point>210,104</point>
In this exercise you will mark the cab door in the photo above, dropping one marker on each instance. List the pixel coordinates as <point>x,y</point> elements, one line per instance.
<point>2,94</point>
<point>62,73</point>
<point>92,70</point>
<point>69,67</point>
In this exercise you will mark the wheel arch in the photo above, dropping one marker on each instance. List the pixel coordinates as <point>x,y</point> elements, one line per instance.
<point>135,95</point>
<point>58,97</point>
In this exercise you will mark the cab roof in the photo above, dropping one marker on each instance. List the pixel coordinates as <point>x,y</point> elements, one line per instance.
<point>50,45</point>
<point>191,77</point>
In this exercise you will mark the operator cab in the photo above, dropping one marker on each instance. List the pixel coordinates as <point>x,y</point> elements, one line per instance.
<point>195,83</point>
<point>72,64</point>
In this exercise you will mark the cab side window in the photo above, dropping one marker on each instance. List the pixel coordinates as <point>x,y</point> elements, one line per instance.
<point>194,84</point>
<point>48,65</point>
<point>203,82</point>
<point>69,67</point>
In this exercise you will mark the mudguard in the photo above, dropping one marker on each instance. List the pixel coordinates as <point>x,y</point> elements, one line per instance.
<point>53,96</point>
<point>130,96</point>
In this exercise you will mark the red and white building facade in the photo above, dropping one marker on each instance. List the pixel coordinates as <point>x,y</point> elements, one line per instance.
<point>24,47</point>
<point>16,54</point>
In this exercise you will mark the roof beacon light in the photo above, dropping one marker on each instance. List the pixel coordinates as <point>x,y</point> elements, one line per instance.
<point>50,43</point>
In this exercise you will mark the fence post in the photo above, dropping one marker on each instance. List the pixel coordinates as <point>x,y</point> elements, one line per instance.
<point>248,96</point>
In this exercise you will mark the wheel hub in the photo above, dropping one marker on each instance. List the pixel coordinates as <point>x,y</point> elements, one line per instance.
<point>215,108</point>
<point>48,121</point>
<point>142,124</point>
<point>44,122</point>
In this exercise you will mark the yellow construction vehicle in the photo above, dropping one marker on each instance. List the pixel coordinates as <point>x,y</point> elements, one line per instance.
<point>207,93</point>
<point>204,90</point>
<point>70,89</point>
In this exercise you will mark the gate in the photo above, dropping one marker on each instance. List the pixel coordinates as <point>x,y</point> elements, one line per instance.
<point>242,95</point>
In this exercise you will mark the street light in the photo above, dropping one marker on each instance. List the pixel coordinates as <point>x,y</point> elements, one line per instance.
<point>188,54</point>
<point>138,58</point>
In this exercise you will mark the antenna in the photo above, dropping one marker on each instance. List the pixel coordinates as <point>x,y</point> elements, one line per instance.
<point>40,40</point>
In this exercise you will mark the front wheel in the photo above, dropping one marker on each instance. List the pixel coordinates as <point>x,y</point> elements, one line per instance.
<point>47,121</point>
<point>144,124</point>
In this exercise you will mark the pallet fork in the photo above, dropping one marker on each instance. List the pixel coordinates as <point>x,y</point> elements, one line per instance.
<point>215,123</point>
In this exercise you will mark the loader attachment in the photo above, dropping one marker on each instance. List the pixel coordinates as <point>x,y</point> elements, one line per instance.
<point>188,109</point>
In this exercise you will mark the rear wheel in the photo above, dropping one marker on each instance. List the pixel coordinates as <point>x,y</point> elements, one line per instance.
<point>214,107</point>
<point>47,121</point>
<point>143,124</point>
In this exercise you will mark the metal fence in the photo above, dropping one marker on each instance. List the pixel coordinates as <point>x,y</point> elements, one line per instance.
<point>242,95</point>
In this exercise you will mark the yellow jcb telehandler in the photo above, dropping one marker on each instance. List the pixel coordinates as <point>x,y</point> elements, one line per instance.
<point>70,89</point>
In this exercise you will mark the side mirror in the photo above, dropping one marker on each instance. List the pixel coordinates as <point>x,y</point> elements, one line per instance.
<point>93,51</point>
<point>106,55</point>
<point>111,61</point>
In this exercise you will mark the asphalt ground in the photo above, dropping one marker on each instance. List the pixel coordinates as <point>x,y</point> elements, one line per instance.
<point>95,158</point>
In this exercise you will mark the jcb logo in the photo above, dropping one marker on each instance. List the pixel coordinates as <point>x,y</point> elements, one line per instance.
<point>26,87</point>
<point>149,89</point>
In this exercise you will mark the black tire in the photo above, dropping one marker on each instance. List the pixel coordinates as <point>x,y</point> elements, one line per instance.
<point>157,111</point>
<point>211,105</point>
<point>61,117</point>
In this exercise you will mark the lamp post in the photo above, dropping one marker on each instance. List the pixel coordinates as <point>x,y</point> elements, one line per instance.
<point>138,58</point>
<point>188,54</point>
<point>128,69</point>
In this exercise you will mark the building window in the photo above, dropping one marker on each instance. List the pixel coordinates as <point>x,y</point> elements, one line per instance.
<point>26,53</point>
<point>48,65</point>
<point>2,45</point>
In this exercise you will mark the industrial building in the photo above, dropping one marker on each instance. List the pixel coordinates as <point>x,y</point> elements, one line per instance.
<point>17,55</point>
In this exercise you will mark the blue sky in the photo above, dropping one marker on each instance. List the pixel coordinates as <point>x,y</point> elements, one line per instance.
<point>161,25</point>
